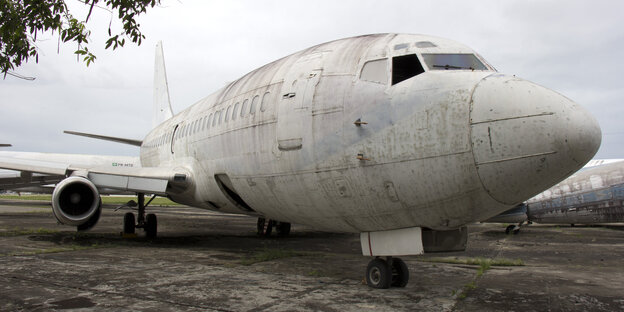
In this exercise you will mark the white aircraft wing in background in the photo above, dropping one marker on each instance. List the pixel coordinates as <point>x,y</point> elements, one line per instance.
<point>14,180</point>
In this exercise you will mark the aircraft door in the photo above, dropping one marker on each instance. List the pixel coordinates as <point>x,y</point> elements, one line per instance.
<point>294,119</point>
<point>173,137</point>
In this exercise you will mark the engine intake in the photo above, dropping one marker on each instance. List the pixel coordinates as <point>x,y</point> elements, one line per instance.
<point>76,201</point>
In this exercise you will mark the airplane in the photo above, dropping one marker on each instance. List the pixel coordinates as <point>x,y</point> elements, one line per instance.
<point>402,138</point>
<point>593,195</point>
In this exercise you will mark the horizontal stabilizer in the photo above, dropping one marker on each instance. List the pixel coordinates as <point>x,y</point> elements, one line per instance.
<point>107,138</point>
<point>5,145</point>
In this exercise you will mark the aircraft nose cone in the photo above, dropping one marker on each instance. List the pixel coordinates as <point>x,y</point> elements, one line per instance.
<point>526,138</point>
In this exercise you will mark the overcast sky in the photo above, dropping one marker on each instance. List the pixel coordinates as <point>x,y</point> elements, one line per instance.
<point>573,47</point>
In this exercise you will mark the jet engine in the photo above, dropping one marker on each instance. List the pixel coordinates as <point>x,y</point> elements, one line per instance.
<point>76,201</point>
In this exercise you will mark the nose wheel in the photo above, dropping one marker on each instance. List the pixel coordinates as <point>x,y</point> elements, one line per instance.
<point>383,274</point>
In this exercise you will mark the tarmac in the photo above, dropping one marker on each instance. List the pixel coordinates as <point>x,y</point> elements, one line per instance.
<point>206,261</point>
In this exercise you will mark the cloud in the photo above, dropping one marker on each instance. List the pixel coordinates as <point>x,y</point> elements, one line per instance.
<point>573,47</point>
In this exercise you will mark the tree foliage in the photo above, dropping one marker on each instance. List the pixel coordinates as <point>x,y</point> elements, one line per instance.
<point>22,21</point>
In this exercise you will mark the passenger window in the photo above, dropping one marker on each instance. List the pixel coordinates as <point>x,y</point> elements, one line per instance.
<point>209,119</point>
<point>214,120</point>
<point>375,71</point>
<point>227,113</point>
<point>405,67</point>
<point>235,110</point>
<point>220,115</point>
<point>202,124</point>
<point>244,108</point>
<point>254,103</point>
<point>265,101</point>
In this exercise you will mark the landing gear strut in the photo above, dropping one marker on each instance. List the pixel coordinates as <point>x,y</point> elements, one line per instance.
<point>148,222</point>
<point>265,228</point>
<point>382,273</point>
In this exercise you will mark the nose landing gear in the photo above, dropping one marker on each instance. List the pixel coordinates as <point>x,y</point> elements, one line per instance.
<point>383,274</point>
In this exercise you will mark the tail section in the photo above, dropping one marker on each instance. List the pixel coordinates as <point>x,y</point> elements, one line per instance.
<point>162,104</point>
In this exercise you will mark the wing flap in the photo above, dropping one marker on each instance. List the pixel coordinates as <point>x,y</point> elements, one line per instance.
<point>130,183</point>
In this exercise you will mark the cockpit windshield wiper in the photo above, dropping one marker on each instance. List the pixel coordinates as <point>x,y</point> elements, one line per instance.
<point>447,66</point>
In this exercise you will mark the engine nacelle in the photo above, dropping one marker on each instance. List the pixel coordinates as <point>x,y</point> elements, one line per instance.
<point>76,201</point>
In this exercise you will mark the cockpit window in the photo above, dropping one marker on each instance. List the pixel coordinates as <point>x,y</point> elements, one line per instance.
<point>405,67</point>
<point>453,62</point>
<point>375,71</point>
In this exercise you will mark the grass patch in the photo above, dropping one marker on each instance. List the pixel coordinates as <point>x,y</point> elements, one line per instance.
<point>21,232</point>
<point>46,197</point>
<point>57,250</point>
<point>484,265</point>
<point>269,255</point>
<point>122,200</point>
<point>42,211</point>
<point>483,262</point>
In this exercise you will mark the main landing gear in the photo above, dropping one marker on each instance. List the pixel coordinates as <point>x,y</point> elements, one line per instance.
<point>515,229</point>
<point>148,222</point>
<point>265,228</point>
<point>382,273</point>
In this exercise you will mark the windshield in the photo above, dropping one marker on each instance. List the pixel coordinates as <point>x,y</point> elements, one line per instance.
<point>453,62</point>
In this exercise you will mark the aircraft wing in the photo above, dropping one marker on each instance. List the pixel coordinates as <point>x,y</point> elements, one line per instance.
<point>153,180</point>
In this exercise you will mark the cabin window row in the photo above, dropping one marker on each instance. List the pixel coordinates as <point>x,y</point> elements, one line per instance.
<point>239,110</point>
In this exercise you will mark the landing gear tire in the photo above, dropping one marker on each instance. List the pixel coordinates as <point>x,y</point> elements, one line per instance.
<point>129,223</point>
<point>509,229</point>
<point>265,228</point>
<point>400,273</point>
<point>260,226</point>
<point>378,274</point>
<point>283,228</point>
<point>151,225</point>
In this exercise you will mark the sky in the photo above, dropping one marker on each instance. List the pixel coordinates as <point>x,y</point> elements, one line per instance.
<point>572,47</point>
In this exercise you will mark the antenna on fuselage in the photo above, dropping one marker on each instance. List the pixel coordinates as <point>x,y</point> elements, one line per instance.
<point>162,103</point>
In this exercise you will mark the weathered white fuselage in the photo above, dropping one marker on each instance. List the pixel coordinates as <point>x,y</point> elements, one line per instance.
<point>444,148</point>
